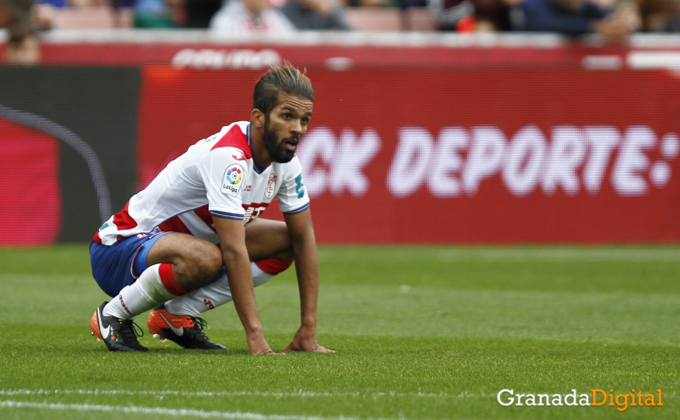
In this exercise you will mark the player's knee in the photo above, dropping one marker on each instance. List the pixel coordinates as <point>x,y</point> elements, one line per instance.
<point>204,262</point>
<point>211,260</point>
<point>285,254</point>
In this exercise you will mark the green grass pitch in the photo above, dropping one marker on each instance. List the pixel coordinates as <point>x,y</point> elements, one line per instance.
<point>420,333</point>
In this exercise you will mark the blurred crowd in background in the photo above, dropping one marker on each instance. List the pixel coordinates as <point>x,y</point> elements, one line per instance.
<point>615,20</point>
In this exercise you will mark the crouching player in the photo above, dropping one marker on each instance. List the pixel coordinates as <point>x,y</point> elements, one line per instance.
<point>191,240</point>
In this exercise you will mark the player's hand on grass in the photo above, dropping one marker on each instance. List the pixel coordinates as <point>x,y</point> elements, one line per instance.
<point>258,345</point>
<point>305,340</point>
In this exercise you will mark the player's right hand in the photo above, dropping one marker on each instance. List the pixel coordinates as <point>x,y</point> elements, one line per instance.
<point>258,345</point>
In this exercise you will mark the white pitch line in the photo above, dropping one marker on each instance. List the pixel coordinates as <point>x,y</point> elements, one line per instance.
<point>181,412</point>
<point>303,394</point>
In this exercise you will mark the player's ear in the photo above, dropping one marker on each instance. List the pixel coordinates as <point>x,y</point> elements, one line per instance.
<point>257,118</point>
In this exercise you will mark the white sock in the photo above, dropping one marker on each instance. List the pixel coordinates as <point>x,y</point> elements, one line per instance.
<point>211,295</point>
<point>144,294</point>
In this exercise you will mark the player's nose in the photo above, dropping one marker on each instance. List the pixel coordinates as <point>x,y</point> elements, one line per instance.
<point>296,126</point>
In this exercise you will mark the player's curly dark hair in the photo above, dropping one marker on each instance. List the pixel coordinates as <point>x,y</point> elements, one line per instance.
<point>283,77</point>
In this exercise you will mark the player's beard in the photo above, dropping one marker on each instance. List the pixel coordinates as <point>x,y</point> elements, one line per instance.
<point>276,148</point>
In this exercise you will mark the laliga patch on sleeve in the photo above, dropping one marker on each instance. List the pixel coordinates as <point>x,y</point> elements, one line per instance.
<point>231,182</point>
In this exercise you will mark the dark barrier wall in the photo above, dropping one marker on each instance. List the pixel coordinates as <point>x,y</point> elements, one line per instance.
<point>99,105</point>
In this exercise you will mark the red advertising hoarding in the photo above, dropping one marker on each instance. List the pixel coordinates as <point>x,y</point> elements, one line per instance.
<point>30,203</point>
<point>458,155</point>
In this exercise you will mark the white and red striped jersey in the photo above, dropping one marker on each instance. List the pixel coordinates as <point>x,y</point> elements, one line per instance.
<point>215,177</point>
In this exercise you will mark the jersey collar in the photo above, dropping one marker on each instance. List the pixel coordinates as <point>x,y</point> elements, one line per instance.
<point>252,153</point>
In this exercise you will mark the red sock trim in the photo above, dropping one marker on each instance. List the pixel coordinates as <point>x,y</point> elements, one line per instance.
<point>125,306</point>
<point>168,279</point>
<point>272,266</point>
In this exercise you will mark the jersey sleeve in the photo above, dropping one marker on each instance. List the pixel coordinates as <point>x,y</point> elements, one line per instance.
<point>292,195</point>
<point>224,175</point>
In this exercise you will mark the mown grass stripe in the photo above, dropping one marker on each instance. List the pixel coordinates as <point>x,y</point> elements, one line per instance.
<point>509,253</point>
<point>561,254</point>
<point>303,394</point>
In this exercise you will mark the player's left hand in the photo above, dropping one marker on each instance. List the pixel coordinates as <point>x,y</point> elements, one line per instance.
<point>305,340</point>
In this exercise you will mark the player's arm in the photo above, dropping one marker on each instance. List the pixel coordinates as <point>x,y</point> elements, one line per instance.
<point>232,236</point>
<point>302,238</point>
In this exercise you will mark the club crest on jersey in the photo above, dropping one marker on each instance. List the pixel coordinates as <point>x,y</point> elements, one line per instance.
<point>271,186</point>
<point>232,179</point>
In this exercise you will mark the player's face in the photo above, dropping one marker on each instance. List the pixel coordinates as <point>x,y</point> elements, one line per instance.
<point>285,125</point>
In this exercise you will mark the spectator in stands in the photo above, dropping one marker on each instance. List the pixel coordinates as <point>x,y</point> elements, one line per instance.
<point>373,3</point>
<point>496,15</point>
<point>674,21</point>
<point>160,14</point>
<point>198,13</point>
<point>22,47</point>
<point>44,12</point>
<point>43,15</point>
<point>451,13</point>
<point>250,16</point>
<point>579,17</point>
<point>316,15</point>
<point>660,15</point>
<point>474,15</point>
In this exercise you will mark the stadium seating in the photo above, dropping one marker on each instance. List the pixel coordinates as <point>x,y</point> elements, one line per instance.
<point>367,19</point>
<point>376,19</point>
<point>93,17</point>
<point>419,19</point>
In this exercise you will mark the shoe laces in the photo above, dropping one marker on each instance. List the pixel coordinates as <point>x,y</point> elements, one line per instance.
<point>130,331</point>
<point>200,322</point>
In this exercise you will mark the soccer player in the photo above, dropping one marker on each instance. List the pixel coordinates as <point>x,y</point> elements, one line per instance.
<point>192,240</point>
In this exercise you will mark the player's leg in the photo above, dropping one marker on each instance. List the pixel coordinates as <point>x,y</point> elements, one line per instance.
<point>269,248</point>
<point>168,265</point>
<point>171,266</point>
<point>112,269</point>
<point>270,251</point>
<point>268,239</point>
<point>268,244</point>
<point>194,263</point>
